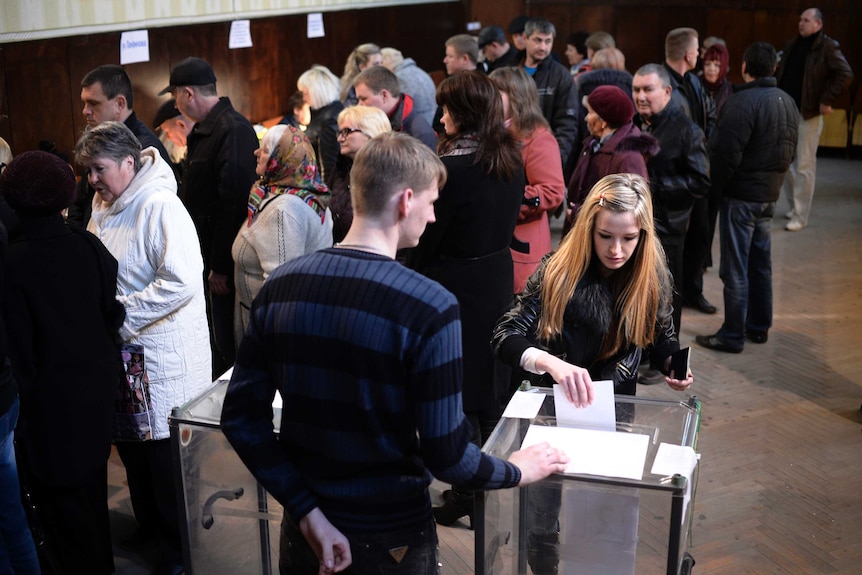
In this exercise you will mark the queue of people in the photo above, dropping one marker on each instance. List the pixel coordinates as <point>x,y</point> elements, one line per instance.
<point>370,221</point>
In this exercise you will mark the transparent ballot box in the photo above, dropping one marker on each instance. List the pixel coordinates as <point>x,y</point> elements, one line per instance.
<point>231,524</point>
<point>623,523</point>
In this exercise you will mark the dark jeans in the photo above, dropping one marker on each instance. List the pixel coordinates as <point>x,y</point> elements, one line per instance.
<point>150,473</point>
<point>746,268</point>
<point>17,552</point>
<point>372,553</point>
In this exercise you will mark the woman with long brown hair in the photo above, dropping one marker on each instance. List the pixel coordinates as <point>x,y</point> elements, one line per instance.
<point>467,248</point>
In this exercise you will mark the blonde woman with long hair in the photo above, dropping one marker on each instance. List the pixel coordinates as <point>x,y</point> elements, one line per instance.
<point>587,313</point>
<point>598,301</point>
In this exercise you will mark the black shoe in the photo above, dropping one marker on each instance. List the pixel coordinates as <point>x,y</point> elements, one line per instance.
<point>456,507</point>
<point>703,305</point>
<point>713,342</point>
<point>140,538</point>
<point>757,336</point>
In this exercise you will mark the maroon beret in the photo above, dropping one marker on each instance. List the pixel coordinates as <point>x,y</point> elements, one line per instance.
<point>612,105</point>
<point>38,183</point>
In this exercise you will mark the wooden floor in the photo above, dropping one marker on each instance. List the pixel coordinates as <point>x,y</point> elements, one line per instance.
<point>780,487</point>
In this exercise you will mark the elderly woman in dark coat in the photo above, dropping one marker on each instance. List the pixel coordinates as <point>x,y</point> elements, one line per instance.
<point>62,318</point>
<point>614,146</point>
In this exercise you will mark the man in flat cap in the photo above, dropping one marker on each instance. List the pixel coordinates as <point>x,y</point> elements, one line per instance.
<point>496,48</point>
<point>219,173</point>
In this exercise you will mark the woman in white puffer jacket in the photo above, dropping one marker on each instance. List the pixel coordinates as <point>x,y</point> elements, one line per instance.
<point>142,222</point>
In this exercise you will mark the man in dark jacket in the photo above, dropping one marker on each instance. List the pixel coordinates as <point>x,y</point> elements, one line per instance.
<point>679,173</point>
<point>220,168</point>
<point>750,151</point>
<point>681,52</point>
<point>376,86</point>
<point>107,95</point>
<point>557,98</point>
<point>814,72</point>
<point>495,46</point>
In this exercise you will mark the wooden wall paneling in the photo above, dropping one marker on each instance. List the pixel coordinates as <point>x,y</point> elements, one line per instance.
<point>737,32</point>
<point>589,19</point>
<point>40,104</point>
<point>639,48</point>
<point>498,12</point>
<point>5,131</point>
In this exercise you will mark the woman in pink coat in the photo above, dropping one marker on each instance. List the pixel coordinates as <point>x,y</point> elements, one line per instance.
<point>545,188</point>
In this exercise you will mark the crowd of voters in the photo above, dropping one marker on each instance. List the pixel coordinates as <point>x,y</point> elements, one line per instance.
<point>383,259</point>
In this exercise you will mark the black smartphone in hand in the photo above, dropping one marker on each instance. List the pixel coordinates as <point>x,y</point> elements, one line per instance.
<point>680,362</point>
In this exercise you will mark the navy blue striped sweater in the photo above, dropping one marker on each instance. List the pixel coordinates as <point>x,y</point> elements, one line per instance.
<point>367,357</point>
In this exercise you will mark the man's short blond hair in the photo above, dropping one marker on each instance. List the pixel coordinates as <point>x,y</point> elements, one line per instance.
<point>388,164</point>
<point>678,42</point>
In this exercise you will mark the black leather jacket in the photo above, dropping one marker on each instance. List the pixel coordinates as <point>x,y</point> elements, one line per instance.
<point>678,174</point>
<point>587,319</point>
<point>690,94</point>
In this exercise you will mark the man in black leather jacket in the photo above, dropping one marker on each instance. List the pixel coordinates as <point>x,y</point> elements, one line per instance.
<point>681,52</point>
<point>679,173</point>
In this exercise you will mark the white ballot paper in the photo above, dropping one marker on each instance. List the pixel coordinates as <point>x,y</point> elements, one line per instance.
<point>524,405</point>
<point>672,459</point>
<point>600,414</point>
<point>592,452</point>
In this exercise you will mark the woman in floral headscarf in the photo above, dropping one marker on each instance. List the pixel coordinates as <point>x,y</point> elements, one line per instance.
<point>288,215</point>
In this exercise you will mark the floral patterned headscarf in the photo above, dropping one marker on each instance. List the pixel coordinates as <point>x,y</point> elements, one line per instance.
<point>291,169</point>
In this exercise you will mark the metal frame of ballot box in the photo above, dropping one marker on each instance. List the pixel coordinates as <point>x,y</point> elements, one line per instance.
<point>501,516</point>
<point>228,522</point>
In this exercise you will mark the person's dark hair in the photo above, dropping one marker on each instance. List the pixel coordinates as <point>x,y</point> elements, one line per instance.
<point>475,106</point>
<point>379,78</point>
<point>540,26</point>
<point>114,81</point>
<point>295,101</point>
<point>760,60</point>
<point>112,140</point>
<point>578,40</point>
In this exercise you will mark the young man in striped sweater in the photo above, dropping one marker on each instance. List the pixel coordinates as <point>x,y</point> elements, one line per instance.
<point>367,357</point>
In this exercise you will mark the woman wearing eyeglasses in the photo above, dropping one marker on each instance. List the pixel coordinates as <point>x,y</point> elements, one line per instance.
<point>287,215</point>
<point>356,125</point>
